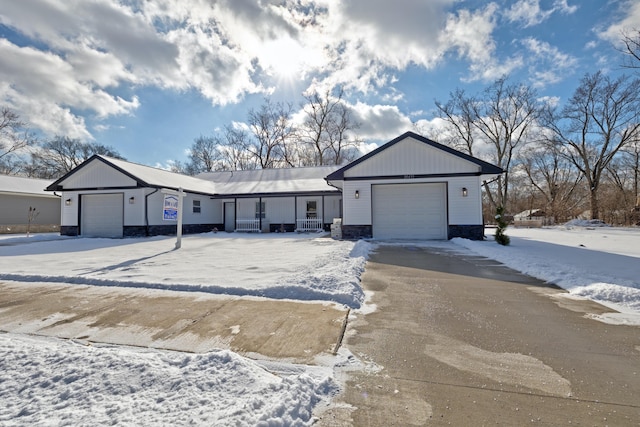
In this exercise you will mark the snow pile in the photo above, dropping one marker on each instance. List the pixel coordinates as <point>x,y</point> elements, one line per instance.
<point>275,265</point>
<point>586,223</point>
<point>66,383</point>
<point>602,264</point>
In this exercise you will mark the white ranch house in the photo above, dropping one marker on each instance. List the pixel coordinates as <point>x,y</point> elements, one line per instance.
<point>409,188</point>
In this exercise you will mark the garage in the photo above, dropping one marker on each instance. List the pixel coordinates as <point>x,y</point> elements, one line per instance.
<point>409,211</point>
<point>102,215</point>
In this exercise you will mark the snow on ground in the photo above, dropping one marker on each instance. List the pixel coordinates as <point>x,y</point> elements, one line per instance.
<point>52,382</point>
<point>589,261</point>
<point>279,266</point>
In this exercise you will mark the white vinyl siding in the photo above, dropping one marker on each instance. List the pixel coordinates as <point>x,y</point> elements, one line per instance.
<point>98,175</point>
<point>410,157</point>
<point>465,210</point>
<point>102,215</point>
<point>280,210</point>
<point>409,211</point>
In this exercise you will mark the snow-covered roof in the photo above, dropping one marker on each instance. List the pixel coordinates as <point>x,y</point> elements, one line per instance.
<point>162,178</point>
<point>528,213</point>
<point>236,183</point>
<point>265,181</point>
<point>145,176</point>
<point>24,186</point>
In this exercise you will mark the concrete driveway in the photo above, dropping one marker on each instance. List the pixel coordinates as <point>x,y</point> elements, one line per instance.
<point>460,340</point>
<point>183,321</point>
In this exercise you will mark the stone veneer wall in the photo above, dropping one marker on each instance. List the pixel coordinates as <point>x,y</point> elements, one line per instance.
<point>355,232</point>
<point>168,230</point>
<point>471,232</point>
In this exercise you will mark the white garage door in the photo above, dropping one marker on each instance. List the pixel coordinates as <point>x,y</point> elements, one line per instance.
<point>102,215</point>
<point>409,211</point>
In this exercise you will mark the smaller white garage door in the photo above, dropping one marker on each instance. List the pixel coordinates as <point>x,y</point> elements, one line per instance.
<point>409,211</point>
<point>102,215</point>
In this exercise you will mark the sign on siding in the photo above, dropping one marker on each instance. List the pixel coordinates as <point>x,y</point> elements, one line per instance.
<point>170,208</point>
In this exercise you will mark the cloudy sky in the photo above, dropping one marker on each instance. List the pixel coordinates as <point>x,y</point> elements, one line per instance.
<point>149,76</point>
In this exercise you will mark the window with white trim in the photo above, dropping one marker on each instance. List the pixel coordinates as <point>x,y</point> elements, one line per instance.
<point>196,206</point>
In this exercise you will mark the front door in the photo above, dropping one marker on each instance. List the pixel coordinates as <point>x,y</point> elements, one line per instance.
<point>229,216</point>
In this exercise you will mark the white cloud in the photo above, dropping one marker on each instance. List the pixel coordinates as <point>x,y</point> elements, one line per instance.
<point>470,34</point>
<point>630,11</point>
<point>380,122</point>
<point>83,54</point>
<point>529,12</point>
<point>556,65</point>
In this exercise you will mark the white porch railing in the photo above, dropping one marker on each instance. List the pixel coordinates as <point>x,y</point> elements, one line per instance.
<point>309,224</point>
<point>248,225</point>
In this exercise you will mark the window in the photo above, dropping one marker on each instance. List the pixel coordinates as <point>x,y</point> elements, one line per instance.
<point>196,206</point>
<point>260,210</point>
<point>312,209</point>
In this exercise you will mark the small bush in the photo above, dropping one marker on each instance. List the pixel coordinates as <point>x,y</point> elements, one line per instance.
<point>500,237</point>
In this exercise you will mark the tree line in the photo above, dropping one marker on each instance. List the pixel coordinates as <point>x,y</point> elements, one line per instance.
<point>583,156</point>
<point>322,133</point>
<point>21,153</point>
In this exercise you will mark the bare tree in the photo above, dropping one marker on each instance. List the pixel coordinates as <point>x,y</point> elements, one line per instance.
<point>234,153</point>
<point>631,40</point>
<point>61,154</point>
<point>500,120</point>
<point>272,129</point>
<point>204,155</point>
<point>14,137</point>
<point>554,178</point>
<point>631,160</point>
<point>327,131</point>
<point>226,150</point>
<point>600,119</point>
<point>457,112</point>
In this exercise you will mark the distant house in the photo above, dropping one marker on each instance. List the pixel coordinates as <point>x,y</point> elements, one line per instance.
<point>410,187</point>
<point>532,218</point>
<point>18,195</point>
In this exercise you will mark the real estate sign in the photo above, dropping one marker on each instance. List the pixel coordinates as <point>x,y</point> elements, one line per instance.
<point>170,208</point>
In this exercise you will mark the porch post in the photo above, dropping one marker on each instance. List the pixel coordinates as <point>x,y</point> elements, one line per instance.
<point>322,225</point>
<point>260,212</point>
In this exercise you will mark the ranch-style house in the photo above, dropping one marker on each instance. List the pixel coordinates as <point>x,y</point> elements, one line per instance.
<point>408,188</point>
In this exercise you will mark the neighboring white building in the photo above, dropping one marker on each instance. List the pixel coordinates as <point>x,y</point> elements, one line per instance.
<point>18,195</point>
<point>410,187</point>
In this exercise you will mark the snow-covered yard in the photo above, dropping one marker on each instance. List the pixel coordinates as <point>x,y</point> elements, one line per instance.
<point>598,263</point>
<point>48,381</point>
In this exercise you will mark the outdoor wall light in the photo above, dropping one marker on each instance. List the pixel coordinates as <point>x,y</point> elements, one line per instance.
<point>357,194</point>
<point>465,193</point>
<point>67,202</point>
<point>132,200</point>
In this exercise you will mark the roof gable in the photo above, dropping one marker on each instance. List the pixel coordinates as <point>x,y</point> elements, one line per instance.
<point>412,154</point>
<point>105,172</point>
